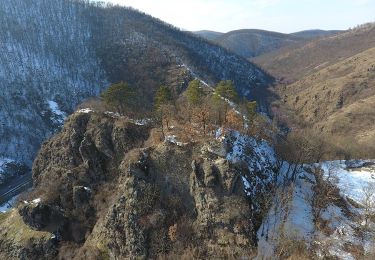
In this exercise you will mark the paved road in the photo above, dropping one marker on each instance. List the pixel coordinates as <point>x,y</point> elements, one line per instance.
<point>15,187</point>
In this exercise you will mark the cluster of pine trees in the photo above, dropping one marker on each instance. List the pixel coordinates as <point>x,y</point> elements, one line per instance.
<point>199,105</point>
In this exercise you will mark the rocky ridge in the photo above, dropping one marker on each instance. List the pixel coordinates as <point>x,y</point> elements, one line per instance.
<point>106,189</point>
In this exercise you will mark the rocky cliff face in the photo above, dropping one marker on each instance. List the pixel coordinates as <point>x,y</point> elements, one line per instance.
<point>103,188</point>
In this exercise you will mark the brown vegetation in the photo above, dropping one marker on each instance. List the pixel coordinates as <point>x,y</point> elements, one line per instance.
<point>294,62</point>
<point>337,102</point>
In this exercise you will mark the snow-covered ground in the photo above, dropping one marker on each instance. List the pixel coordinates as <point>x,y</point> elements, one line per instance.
<point>257,154</point>
<point>85,110</point>
<point>173,139</point>
<point>352,181</point>
<point>58,116</point>
<point>356,182</point>
<point>292,214</point>
<point>259,158</point>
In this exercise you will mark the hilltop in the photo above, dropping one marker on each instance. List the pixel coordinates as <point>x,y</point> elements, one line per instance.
<point>250,43</point>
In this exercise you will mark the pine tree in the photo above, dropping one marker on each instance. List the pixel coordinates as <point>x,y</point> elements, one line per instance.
<point>120,97</point>
<point>251,110</point>
<point>226,90</point>
<point>195,93</point>
<point>163,96</point>
<point>163,106</point>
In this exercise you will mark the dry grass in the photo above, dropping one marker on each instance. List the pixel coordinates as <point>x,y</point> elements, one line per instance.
<point>338,101</point>
<point>296,61</point>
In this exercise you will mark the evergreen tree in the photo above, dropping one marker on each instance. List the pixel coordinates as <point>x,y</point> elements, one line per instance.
<point>120,97</point>
<point>226,90</point>
<point>163,106</point>
<point>163,96</point>
<point>195,93</point>
<point>251,110</point>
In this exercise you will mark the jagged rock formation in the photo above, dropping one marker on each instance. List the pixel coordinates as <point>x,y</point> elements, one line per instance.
<point>107,190</point>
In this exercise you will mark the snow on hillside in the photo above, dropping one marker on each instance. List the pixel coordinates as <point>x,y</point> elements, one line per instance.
<point>345,233</point>
<point>43,71</point>
<point>58,115</point>
<point>356,182</point>
<point>3,164</point>
<point>259,158</point>
<point>351,178</point>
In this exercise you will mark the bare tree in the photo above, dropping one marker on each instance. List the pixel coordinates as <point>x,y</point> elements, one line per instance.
<point>368,203</point>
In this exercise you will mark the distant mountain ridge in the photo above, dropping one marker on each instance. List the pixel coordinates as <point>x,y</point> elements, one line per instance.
<point>294,62</point>
<point>315,33</point>
<point>250,43</point>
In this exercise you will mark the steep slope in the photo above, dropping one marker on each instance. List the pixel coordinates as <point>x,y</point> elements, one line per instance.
<point>294,62</point>
<point>338,99</point>
<point>76,49</point>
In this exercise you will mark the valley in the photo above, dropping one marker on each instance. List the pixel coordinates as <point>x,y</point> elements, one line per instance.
<point>125,137</point>
<point>329,89</point>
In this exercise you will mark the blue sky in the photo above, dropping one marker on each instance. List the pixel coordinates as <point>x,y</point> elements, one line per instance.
<point>275,15</point>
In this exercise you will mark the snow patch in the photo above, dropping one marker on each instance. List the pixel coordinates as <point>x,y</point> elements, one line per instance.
<point>58,115</point>
<point>85,110</point>
<point>173,139</point>
<point>36,201</point>
<point>144,121</point>
<point>290,215</point>
<point>351,181</point>
<point>112,114</point>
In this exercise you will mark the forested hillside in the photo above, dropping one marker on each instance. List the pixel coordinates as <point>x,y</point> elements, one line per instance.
<point>58,52</point>
<point>46,56</point>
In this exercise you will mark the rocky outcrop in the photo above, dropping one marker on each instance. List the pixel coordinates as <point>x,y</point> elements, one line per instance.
<point>20,241</point>
<point>42,216</point>
<point>222,209</point>
<point>108,192</point>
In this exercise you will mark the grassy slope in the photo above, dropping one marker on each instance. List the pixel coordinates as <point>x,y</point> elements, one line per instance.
<point>316,98</point>
<point>296,61</point>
